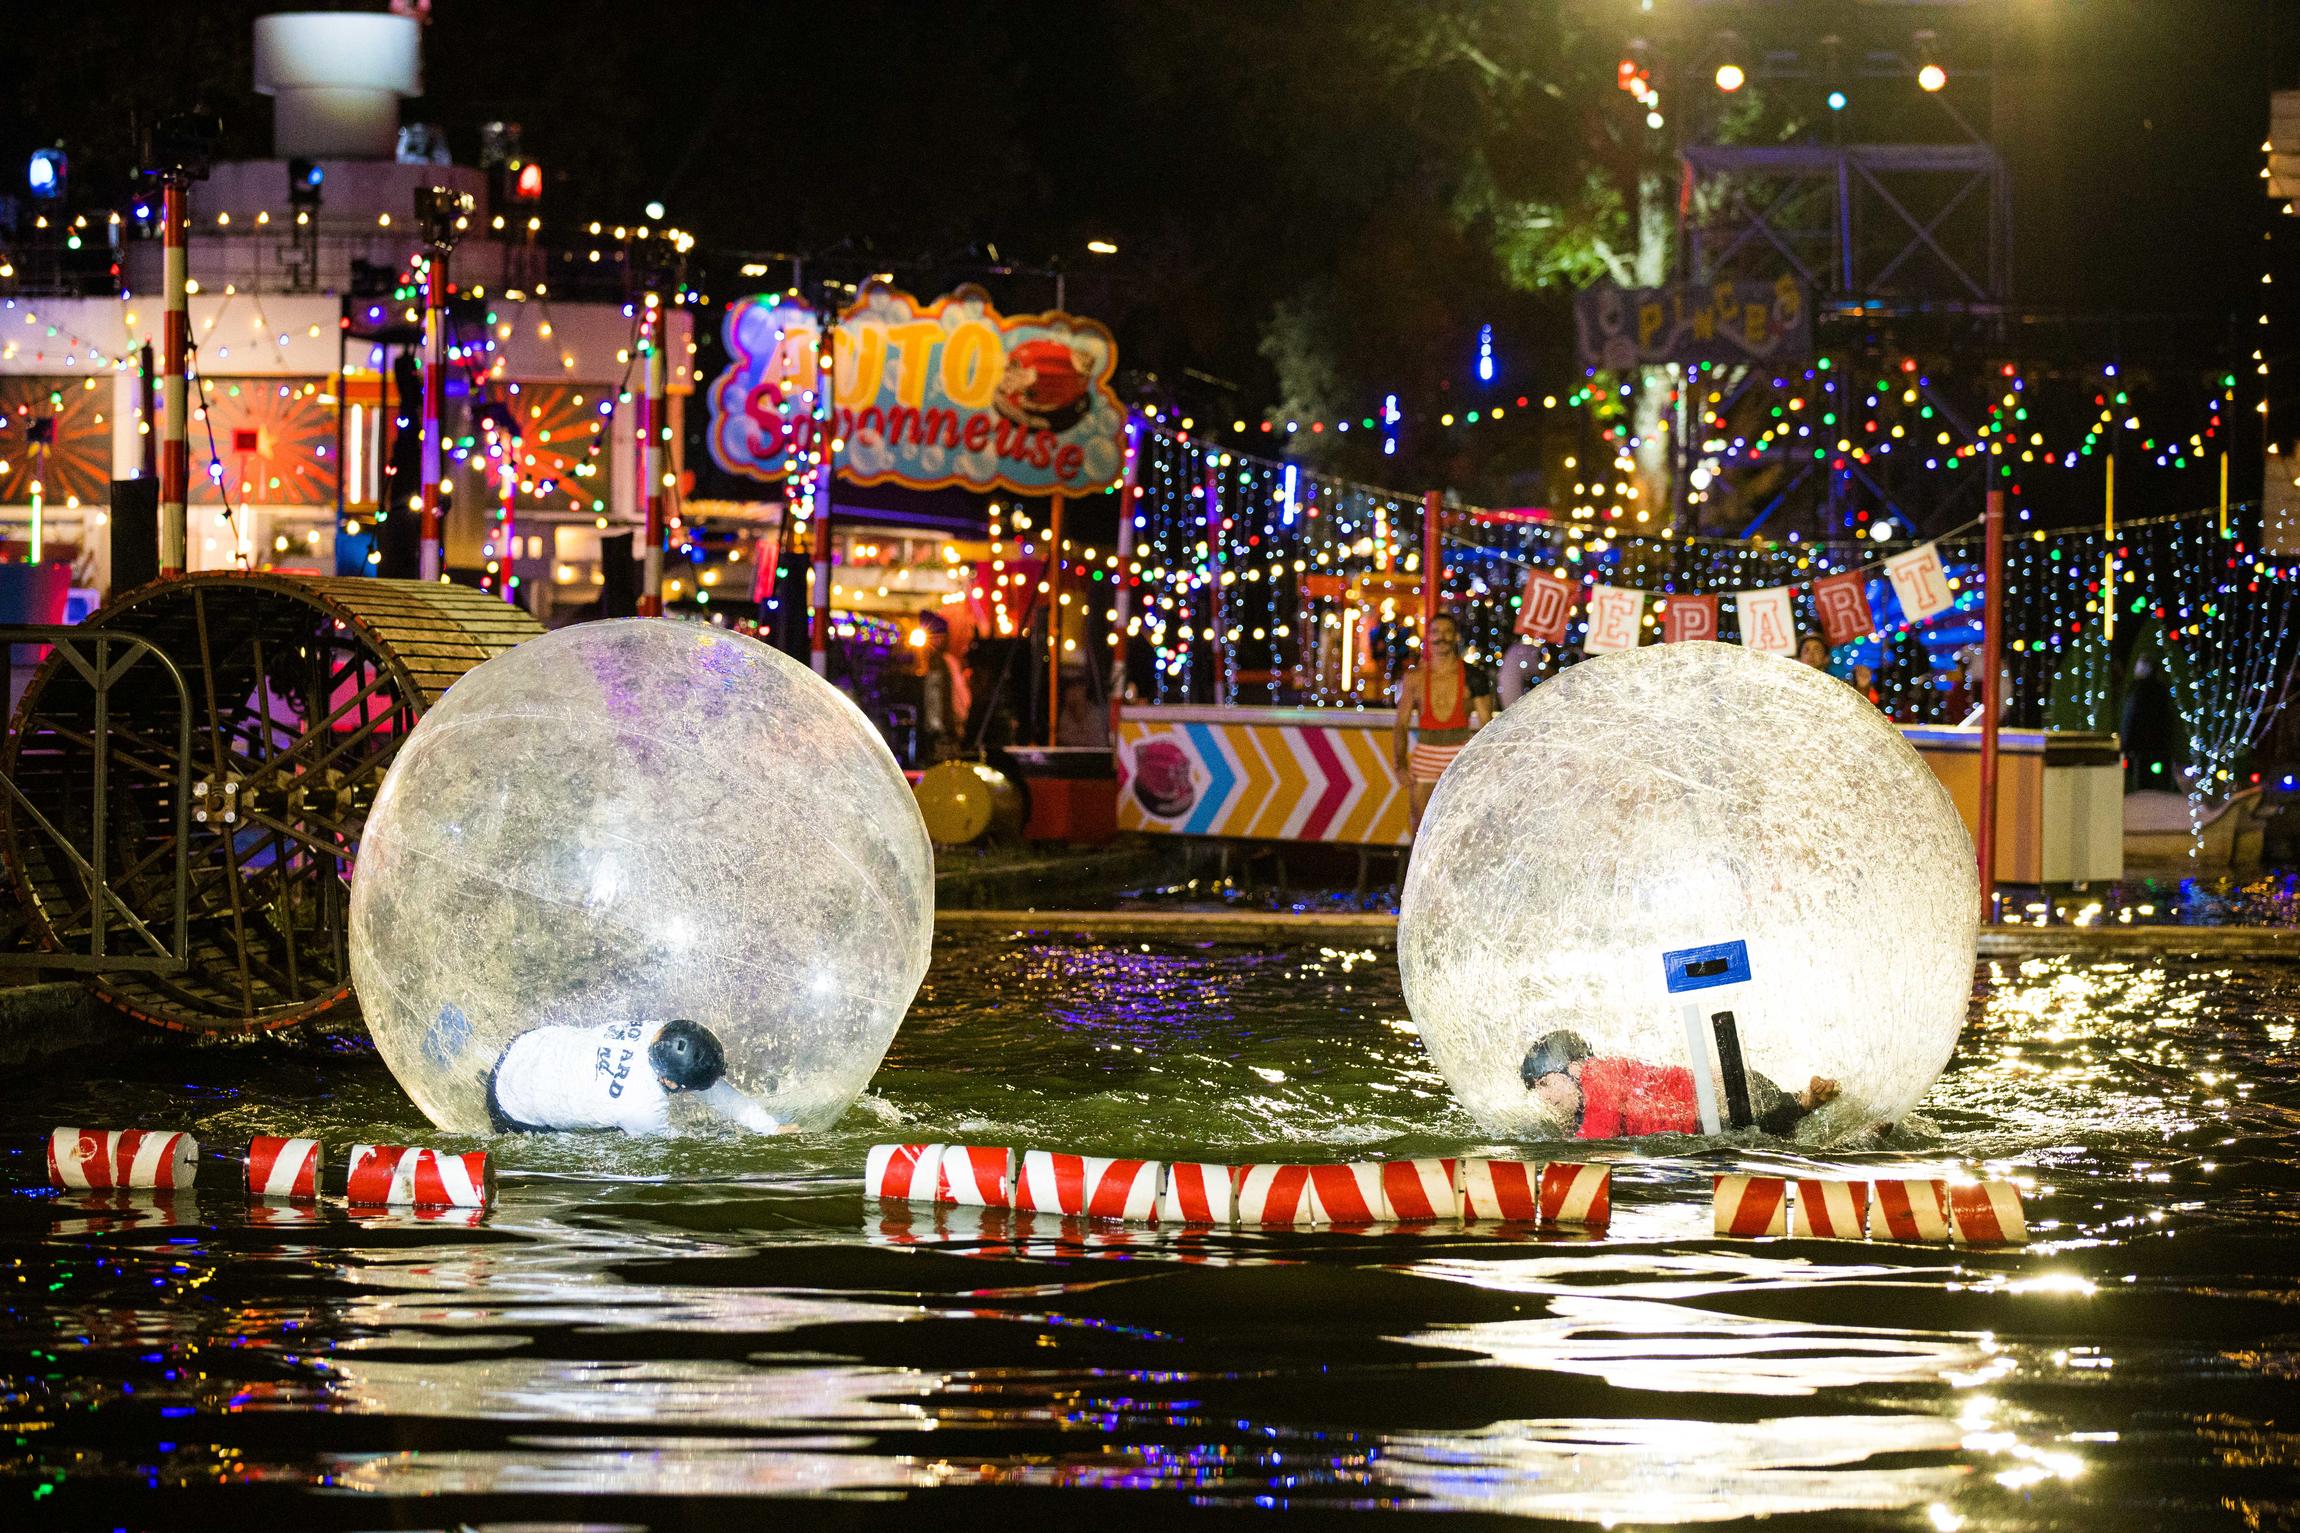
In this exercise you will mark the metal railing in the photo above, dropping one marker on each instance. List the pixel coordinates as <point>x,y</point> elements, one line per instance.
<point>85,935</point>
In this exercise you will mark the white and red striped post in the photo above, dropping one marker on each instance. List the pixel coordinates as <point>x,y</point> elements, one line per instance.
<point>429,559</point>
<point>647,441</point>
<point>826,444</point>
<point>507,535</point>
<point>1433,565</point>
<point>175,335</point>
<point>1122,608</point>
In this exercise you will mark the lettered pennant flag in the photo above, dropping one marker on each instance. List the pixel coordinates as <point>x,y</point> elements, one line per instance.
<point>1843,604</point>
<point>1768,620</point>
<point>1614,612</point>
<point>1689,617</point>
<point>1920,582</point>
<point>1548,607</point>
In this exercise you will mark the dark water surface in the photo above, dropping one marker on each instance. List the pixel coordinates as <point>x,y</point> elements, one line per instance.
<point>640,1335</point>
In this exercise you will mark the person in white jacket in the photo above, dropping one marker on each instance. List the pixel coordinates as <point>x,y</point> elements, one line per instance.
<point>615,1075</point>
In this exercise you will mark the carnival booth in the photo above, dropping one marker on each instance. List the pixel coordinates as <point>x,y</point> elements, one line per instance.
<point>930,538</point>
<point>1276,610</point>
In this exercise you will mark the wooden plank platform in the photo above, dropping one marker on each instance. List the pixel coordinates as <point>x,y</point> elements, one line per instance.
<point>1272,928</point>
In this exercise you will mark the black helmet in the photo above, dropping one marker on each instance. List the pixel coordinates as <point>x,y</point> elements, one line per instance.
<point>687,1057</point>
<point>1553,1053</point>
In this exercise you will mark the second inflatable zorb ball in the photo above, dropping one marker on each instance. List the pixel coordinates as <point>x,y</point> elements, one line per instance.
<point>638,821</point>
<point>1678,797</point>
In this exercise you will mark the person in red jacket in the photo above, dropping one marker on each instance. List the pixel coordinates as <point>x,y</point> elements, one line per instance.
<point>1624,1098</point>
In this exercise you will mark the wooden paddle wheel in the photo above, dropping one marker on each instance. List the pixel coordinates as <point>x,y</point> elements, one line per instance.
<point>189,775</point>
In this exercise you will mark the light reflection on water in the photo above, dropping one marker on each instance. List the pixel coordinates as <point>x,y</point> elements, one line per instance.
<point>642,1324</point>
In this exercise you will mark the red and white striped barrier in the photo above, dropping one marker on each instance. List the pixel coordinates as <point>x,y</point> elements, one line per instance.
<point>975,1176</point>
<point>1275,1195</point>
<point>1987,1214</point>
<point>1829,1210</point>
<point>283,1168</point>
<point>1909,1210</point>
<point>1500,1191</point>
<point>1576,1195</point>
<point>1089,1186</point>
<point>1749,1206</point>
<point>1421,1191</point>
<point>396,1176</point>
<point>1347,1194</point>
<point>902,1173</point>
<point>97,1159</point>
<point>1198,1193</point>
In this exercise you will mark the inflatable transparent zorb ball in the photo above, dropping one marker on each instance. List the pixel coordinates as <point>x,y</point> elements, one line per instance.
<point>1669,798</point>
<point>646,820</point>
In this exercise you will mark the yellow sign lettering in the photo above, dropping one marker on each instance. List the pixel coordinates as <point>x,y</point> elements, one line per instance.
<point>858,358</point>
<point>972,358</point>
<point>913,347</point>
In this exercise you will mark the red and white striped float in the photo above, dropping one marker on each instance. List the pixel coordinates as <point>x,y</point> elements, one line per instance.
<point>1909,1210</point>
<point>1089,1186</point>
<point>1199,1193</point>
<point>1829,1210</point>
<point>1421,1191</point>
<point>1987,1214</point>
<point>283,1168</point>
<point>400,1176</point>
<point>975,1176</point>
<point>1579,1196</point>
<point>99,1159</point>
<point>1347,1194</point>
<point>1275,1195</point>
<point>1500,1191</point>
<point>1749,1206</point>
<point>902,1173</point>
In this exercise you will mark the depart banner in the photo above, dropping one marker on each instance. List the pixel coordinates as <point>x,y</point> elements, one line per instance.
<point>927,395</point>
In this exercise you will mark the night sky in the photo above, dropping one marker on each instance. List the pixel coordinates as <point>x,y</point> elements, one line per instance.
<point>1240,155</point>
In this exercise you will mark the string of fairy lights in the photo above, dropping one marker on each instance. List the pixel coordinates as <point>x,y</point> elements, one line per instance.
<point>1256,581</point>
<point>1745,414</point>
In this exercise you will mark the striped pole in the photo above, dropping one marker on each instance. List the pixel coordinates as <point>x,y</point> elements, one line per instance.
<point>175,330</point>
<point>1215,642</point>
<point>1433,564</point>
<point>1054,620</point>
<point>428,555</point>
<point>507,537</point>
<point>1992,695</point>
<point>826,443</point>
<point>650,457</point>
<point>1129,506</point>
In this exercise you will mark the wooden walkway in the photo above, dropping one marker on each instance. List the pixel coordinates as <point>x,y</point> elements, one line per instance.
<point>1268,928</point>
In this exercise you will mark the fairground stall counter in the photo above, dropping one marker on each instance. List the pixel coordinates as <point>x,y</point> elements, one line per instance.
<point>1307,775</point>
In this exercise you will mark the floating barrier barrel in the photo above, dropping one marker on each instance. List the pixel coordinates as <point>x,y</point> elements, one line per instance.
<point>1198,1193</point>
<point>902,1173</point>
<point>1830,1210</point>
<point>1090,1186</point>
<point>1749,1206</point>
<point>1987,1214</point>
<point>97,1160</point>
<point>283,1168</point>
<point>1577,1195</point>
<point>1421,1191</point>
<point>1349,1194</point>
<point>1909,1210</point>
<point>975,1176</point>
<point>1275,1195</point>
<point>1501,1191</point>
<point>402,1176</point>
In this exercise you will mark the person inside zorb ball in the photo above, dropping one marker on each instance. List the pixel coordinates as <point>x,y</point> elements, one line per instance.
<point>642,876</point>
<point>1689,888</point>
